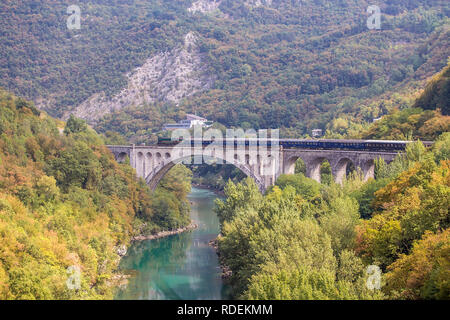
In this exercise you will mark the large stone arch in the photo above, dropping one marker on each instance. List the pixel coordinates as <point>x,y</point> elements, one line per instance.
<point>159,171</point>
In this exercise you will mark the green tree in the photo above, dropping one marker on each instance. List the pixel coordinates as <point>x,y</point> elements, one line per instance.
<point>307,188</point>
<point>239,197</point>
<point>75,125</point>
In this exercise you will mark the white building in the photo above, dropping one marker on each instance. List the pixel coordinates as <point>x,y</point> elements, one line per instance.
<point>316,133</point>
<point>190,121</point>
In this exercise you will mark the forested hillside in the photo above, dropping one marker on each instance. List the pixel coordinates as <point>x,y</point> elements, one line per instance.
<point>65,202</point>
<point>133,65</point>
<point>422,119</point>
<point>294,65</point>
<point>425,119</point>
<point>305,240</point>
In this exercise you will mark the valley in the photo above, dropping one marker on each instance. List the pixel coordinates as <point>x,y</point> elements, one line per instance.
<point>335,183</point>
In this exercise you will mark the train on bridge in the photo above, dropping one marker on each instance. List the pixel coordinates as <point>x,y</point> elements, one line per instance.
<point>319,144</point>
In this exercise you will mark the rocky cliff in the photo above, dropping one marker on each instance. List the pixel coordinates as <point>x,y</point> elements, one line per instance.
<point>208,6</point>
<point>205,6</point>
<point>168,77</point>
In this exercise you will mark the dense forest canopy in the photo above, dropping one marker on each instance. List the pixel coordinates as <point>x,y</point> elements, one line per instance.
<point>426,119</point>
<point>303,240</point>
<point>294,65</point>
<point>437,93</point>
<point>65,201</point>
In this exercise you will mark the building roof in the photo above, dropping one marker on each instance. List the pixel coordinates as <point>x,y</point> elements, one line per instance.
<point>176,125</point>
<point>194,117</point>
<point>184,124</point>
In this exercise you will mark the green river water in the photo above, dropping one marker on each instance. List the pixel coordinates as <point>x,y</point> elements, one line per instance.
<point>179,267</point>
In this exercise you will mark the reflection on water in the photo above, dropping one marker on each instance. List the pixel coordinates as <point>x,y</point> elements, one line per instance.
<point>180,267</point>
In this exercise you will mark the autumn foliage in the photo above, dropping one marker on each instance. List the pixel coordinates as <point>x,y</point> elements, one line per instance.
<point>65,201</point>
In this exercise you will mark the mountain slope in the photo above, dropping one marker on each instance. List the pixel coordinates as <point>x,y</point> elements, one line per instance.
<point>437,93</point>
<point>294,65</point>
<point>425,119</point>
<point>167,77</point>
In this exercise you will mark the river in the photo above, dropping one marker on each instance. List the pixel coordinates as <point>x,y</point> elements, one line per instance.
<point>179,267</point>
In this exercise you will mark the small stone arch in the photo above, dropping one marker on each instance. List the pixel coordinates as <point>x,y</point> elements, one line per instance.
<point>258,164</point>
<point>289,166</point>
<point>158,158</point>
<point>341,167</point>
<point>368,169</point>
<point>121,157</point>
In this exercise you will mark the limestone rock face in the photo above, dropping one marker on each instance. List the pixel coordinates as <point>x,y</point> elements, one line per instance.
<point>208,6</point>
<point>204,6</point>
<point>259,3</point>
<point>165,77</point>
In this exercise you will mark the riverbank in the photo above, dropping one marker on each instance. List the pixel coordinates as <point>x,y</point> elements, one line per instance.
<point>226,271</point>
<point>164,234</point>
<point>120,280</point>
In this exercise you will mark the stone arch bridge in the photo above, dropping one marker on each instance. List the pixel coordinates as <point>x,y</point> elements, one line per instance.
<point>263,166</point>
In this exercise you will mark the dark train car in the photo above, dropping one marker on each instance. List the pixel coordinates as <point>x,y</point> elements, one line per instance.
<point>356,145</point>
<point>351,145</point>
<point>168,141</point>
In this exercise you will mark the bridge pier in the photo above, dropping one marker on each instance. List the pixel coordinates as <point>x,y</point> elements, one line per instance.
<point>340,160</point>
<point>313,169</point>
